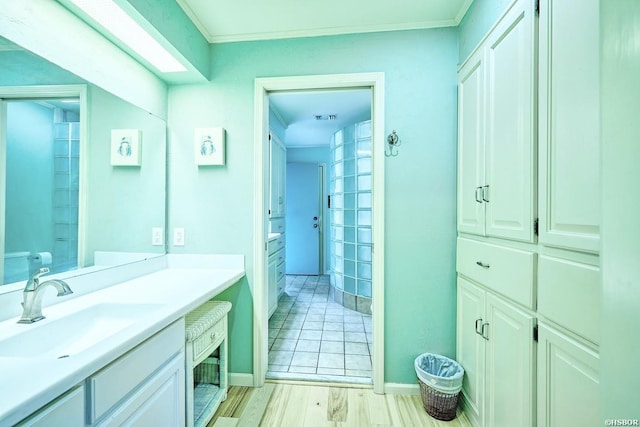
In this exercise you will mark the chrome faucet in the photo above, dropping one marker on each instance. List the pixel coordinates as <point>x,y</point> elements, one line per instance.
<point>32,305</point>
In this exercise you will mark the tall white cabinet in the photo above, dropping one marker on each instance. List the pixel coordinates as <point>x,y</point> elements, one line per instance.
<point>569,284</point>
<point>277,203</point>
<point>496,211</point>
<point>528,163</point>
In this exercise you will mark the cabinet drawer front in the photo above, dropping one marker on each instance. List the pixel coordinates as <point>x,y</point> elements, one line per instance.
<point>114,382</point>
<point>505,270</point>
<point>210,339</point>
<point>276,244</point>
<point>67,410</point>
<point>277,225</point>
<point>569,294</point>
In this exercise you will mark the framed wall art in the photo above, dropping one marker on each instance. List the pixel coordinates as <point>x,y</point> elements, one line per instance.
<point>126,147</point>
<point>209,146</point>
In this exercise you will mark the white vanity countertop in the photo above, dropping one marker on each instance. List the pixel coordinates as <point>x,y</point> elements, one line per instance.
<point>28,383</point>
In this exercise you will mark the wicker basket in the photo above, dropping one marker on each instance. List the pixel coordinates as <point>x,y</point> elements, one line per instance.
<point>438,404</point>
<point>207,371</point>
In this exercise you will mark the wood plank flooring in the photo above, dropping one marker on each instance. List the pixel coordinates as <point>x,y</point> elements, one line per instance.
<point>296,405</point>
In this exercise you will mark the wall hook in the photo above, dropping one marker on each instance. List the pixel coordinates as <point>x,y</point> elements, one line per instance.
<point>393,141</point>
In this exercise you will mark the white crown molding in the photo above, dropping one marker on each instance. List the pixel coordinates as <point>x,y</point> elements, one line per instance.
<point>463,11</point>
<point>194,18</point>
<point>334,31</point>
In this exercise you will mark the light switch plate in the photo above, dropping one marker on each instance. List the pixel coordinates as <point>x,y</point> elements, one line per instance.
<point>157,236</point>
<point>178,236</point>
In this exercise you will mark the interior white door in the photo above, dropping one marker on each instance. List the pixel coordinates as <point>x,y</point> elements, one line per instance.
<point>303,220</point>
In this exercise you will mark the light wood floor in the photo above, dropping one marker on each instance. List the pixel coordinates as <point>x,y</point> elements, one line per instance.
<point>293,405</point>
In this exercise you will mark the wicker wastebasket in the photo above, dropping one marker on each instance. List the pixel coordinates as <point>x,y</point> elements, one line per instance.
<point>440,381</point>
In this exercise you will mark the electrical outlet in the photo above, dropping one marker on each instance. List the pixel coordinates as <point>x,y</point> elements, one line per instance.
<point>178,236</point>
<point>157,236</point>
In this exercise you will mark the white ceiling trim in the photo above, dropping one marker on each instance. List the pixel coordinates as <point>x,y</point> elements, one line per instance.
<point>463,11</point>
<point>194,18</point>
<point>333,31</point>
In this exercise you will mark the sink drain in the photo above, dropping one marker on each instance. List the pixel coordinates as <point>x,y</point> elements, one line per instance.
<point>64,356</point>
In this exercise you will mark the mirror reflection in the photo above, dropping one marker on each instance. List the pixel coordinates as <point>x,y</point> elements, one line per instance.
<point>63,204</point>
<point>42,175</point>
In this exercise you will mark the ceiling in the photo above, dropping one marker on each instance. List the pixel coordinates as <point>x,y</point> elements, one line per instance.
<point>297,111</point>
<point>242,20</point>
<point>246,20</point>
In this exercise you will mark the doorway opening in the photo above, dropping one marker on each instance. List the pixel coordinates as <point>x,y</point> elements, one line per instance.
<point>298,342</point>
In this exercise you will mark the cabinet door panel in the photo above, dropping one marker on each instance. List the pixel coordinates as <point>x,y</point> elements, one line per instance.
<point>272,290</point>
<point>568,381</point>
<point>470,348</point>
<point>509,369</point>
<point>510,132</point>
<point>159,402</point>
<point>569,124</point>
<point>471,146</point>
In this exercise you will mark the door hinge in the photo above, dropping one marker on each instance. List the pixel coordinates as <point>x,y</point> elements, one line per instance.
<point>535,333</point>
<point>537,7</point>
<point>536,226</point>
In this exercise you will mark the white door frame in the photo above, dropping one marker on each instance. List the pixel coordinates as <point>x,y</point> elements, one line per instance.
<point>375,82</point>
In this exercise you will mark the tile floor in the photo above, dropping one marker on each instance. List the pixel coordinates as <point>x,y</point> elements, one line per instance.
<point>312,337</point>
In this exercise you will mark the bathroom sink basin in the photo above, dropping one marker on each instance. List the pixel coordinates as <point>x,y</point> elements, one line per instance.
<point>72,334</point>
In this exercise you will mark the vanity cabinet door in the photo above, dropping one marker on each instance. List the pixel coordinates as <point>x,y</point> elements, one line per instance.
<point>67,410</point>
<point>159,402</point>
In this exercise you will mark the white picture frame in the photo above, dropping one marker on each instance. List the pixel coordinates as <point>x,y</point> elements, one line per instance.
<point>209,146</point>
<point>126,147</point>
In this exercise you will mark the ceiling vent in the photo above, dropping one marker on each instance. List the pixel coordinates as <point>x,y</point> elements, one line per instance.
<point>326,116</point>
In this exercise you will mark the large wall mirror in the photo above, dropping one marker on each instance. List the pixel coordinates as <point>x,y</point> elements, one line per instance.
<point>65,204</point>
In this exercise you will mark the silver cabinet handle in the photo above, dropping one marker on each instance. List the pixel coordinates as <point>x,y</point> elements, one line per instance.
<point>482,264</point>
<point>478,331</point>
<point>478,196</point>
<point>483,330</point>
<point>485,193</point>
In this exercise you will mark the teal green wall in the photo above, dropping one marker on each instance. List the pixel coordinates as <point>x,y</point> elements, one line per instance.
<point>215,204</point>
<point>123,202</point>
<point>22,68</point>
<point>478,20</point>
<point>29,175</point>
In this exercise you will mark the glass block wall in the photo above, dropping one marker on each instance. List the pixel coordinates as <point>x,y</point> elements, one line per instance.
<point>350,245</point>
<point>66,193</point>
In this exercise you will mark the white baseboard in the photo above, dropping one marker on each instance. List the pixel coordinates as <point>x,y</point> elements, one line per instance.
<point>240,380</point>
<point>400,388</point>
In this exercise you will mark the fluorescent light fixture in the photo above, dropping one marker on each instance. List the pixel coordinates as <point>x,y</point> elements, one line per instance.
<point>115,20</point>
